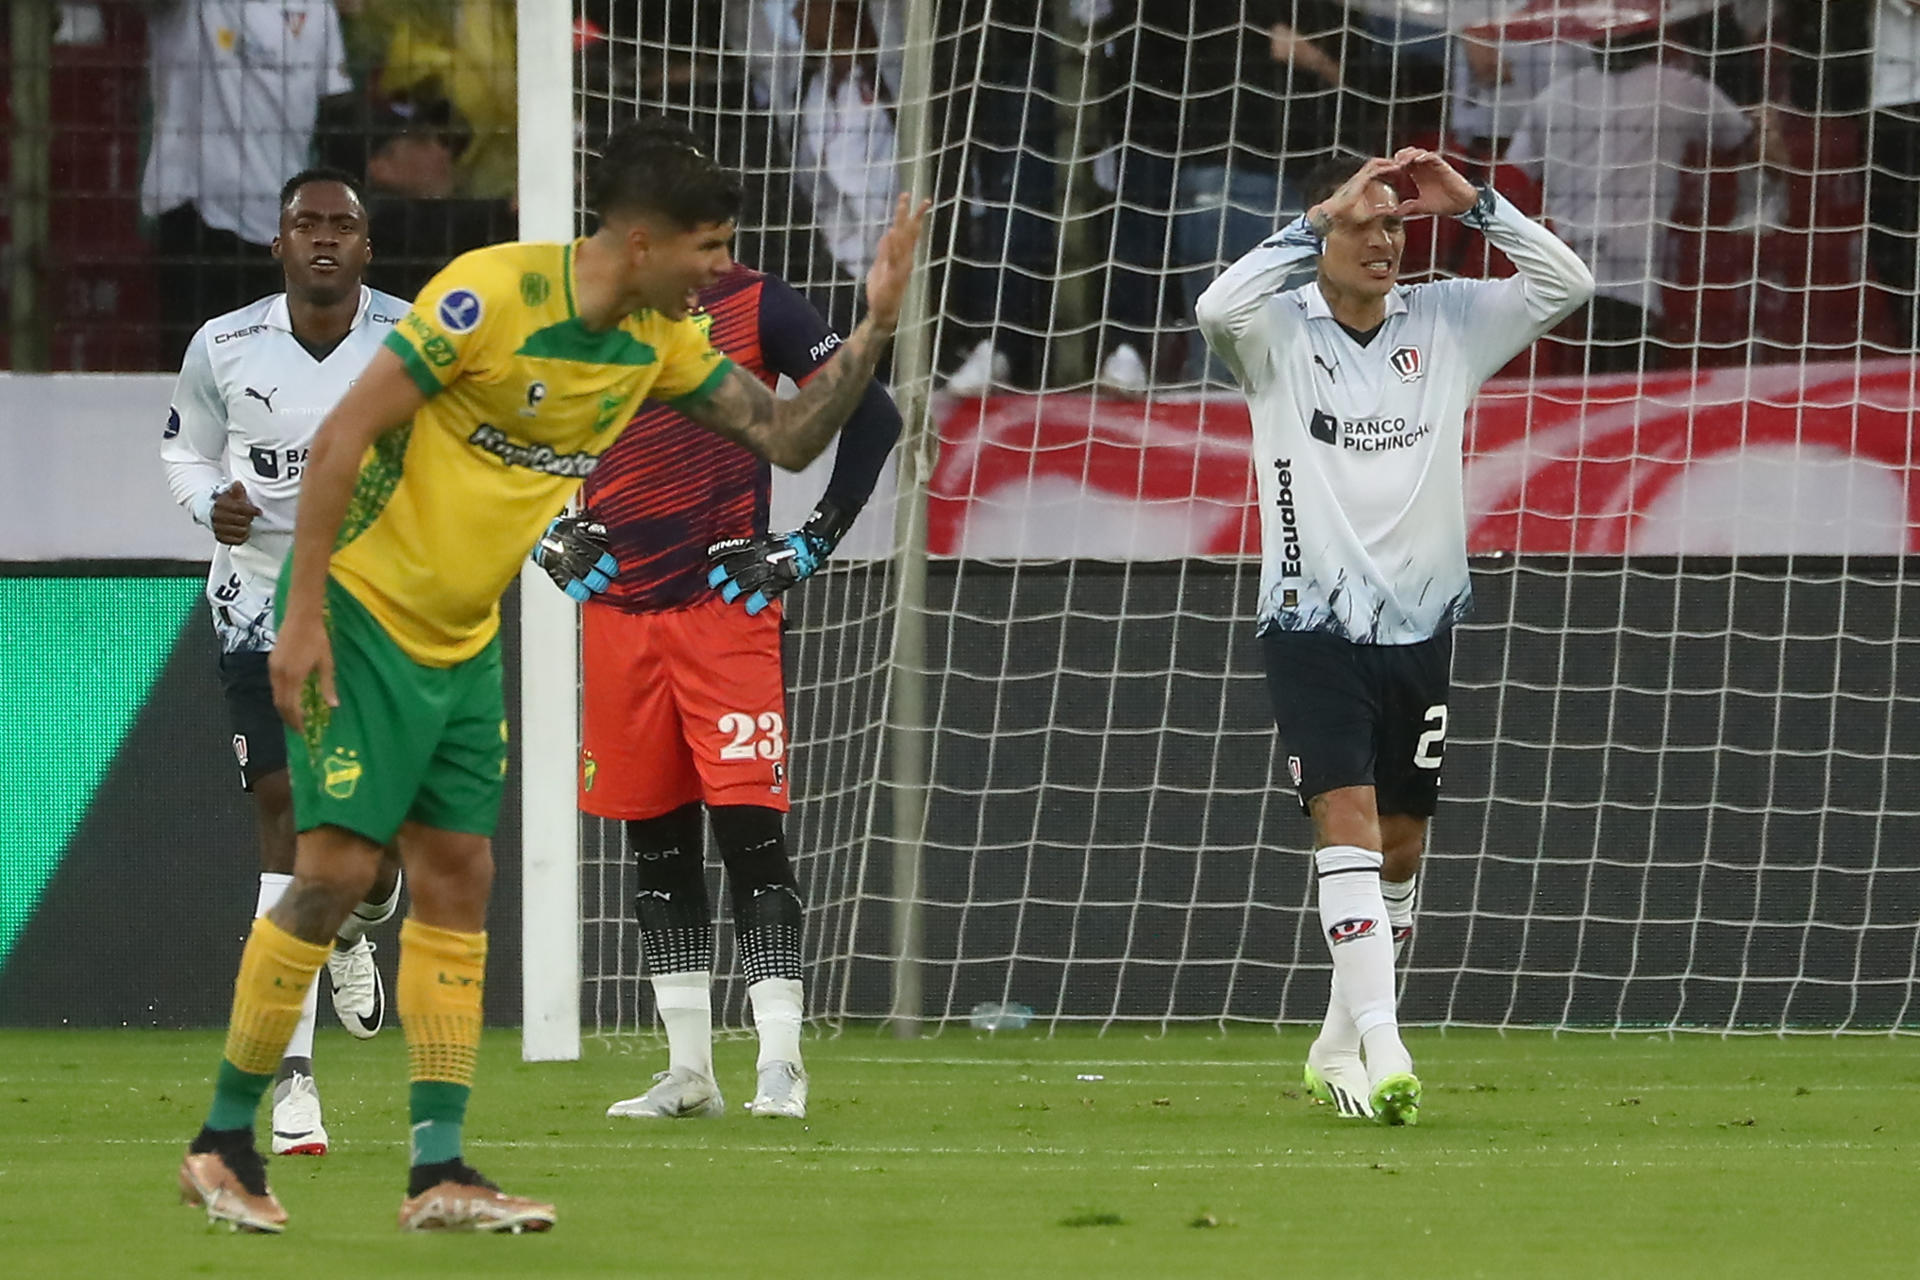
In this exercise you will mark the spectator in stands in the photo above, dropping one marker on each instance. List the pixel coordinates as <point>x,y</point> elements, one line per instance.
<point>1224,109</point>
<point>1893,158</point>
<point>409,154</point>
<point>1000,131</point>
<point>236,90</point>
<point>845,145</point>
<point>460,51</point>
<point>1606,143</point>
<point>1494,81</point>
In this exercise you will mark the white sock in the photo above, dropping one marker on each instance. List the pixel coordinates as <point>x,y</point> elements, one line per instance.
<point>365,915</point>
<point>273,885</point>
<point>1399,896</point>
<point>301,1046</point>
<point>685,1002</point>
<point>779,1005</point>
<point>1337,1032</point>
<point>1355,919</point>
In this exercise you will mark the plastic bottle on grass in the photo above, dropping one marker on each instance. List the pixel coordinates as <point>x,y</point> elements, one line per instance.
<point>999,1015</point>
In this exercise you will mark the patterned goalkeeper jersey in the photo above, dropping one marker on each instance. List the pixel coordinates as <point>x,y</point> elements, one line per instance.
<point>667,489</point>
<point>522,400</point>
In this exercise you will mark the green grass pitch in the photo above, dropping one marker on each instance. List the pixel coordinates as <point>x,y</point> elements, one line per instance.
<point>1130,1154</point>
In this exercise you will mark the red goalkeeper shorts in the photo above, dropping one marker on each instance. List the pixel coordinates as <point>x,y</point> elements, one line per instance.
<point>681,705</point>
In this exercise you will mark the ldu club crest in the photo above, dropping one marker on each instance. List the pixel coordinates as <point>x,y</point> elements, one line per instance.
<point>340,773</point>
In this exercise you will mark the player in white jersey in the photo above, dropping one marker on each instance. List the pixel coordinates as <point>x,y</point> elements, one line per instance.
<point>254,386</point>
<point>1358,388</point>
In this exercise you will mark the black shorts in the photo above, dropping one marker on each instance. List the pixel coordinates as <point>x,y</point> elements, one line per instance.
<point>259,737</point>
<point>1362,715</point>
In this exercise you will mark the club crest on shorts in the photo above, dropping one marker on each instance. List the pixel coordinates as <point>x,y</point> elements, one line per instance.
<point>779,778</point>
<point>1349,929</point>
<point>1293,769</point>
<point>340,773</point>
<point>588,768</point>
<point>240,749</point>
<point>1408,363</point>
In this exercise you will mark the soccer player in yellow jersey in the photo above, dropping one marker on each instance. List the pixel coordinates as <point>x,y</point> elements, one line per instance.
<point>426,487</point>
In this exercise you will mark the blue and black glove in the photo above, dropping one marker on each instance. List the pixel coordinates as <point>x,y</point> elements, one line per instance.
<point>761,568</point>
<point>574,553</point>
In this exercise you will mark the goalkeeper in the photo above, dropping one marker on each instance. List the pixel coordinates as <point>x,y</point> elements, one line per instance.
<point>685,697</point>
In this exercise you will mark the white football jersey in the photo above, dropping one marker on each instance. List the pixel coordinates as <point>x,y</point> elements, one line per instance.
<point>1358,448</point>
<point>245,407</point>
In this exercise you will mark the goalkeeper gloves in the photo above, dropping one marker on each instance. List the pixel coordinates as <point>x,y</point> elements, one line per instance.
<point>574,553</point>
<point>763,567</point>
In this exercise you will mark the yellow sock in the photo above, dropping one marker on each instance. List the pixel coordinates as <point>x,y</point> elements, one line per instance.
<point>442,977</point>
<point>275,971</point>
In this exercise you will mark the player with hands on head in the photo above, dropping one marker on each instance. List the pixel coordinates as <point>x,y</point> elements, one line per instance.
<point>252,389</point>
<point>684,693</point>
<point>1358,388</point>
<point>426,488</point>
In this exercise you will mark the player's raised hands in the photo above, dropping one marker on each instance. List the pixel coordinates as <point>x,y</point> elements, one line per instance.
<point>893,261</point>
<point>1441,188</point>
<point>232,515</point>
<point>1353,203</point>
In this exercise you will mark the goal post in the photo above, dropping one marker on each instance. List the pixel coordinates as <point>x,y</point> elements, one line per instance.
<point>549,645</point>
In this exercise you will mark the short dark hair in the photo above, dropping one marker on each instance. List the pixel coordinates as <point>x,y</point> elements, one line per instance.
<point>655,166</point>
<point>1330,175</point>
<point>320,173</point>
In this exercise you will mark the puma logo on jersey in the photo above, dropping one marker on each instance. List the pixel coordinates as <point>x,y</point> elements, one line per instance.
<point>1332,369</point>
<point>266,399</point>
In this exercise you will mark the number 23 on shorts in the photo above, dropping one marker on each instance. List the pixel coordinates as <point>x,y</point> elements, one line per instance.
<point>750,737</point>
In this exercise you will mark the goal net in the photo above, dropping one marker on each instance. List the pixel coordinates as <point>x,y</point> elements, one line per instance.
<point>1032,755</point>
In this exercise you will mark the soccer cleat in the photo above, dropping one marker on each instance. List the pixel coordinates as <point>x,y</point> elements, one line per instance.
<point>781,1093</point>
<point>359,994</point>
<point>1396,1099</point>
<point>297,1130</point>
<point>980,372</point>
<point>1123,372</point>
<point>1339,1080</point>
<point>466,1201</point>
<point>676,1093</point>
<point>232,1186</point>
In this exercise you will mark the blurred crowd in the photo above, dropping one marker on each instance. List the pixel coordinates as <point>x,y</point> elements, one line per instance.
<point>1097,161</point>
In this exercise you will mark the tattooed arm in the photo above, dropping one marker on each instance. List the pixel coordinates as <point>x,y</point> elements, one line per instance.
<point>792,433</point>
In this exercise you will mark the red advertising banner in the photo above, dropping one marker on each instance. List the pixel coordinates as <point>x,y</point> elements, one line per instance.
<point>1812,459</point>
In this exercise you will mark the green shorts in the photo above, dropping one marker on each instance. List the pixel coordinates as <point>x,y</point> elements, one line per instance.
<point>406,742</point>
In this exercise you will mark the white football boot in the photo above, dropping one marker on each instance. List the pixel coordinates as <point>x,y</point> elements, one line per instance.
<point>781,1093</point>
<point>359,994</point>
<point>297,1130</point>
<point>676,1094</point>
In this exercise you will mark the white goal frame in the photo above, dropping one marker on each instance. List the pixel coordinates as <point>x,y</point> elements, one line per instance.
<point>549,646</point>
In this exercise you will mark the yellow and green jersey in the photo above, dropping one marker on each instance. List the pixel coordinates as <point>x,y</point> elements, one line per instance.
<point>522,399</point>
